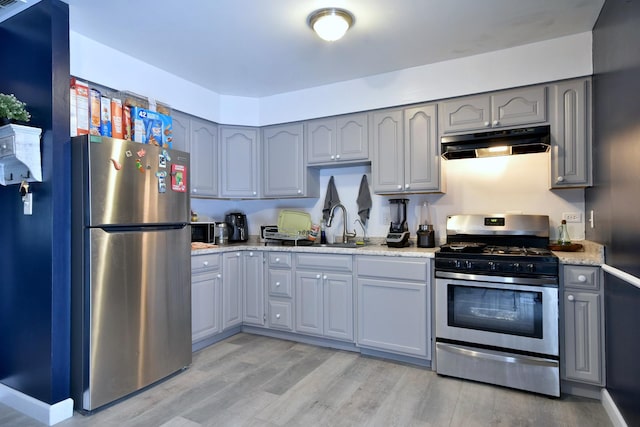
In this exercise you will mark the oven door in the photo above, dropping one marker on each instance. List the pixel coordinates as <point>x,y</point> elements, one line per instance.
<point>505,315</point>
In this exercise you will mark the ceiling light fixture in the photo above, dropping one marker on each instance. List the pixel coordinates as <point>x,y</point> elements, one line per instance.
<point>330,23</point>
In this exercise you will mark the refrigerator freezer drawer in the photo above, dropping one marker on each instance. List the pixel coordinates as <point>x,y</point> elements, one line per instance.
<point>137,304</point>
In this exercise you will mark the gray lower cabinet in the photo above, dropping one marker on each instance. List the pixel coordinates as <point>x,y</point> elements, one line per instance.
<point>324,295</point>
<point>338,140</point>
<point>232,289</point>
<point>279,284</point>
<point>393,300</point>
<point>239,162</point>
<point>583,332</point>
<point>285,173</point>
<point>206,285</point>
<point>253,288</point>
<point>406,151</point>
<point>571,134</point>
<point>513,107</point>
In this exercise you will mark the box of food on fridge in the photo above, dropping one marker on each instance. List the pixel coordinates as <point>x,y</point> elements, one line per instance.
<point>150,127</point>
<point>117,130</point>
<point>105,116</point>
<point>94,111</point>
<point>81,110</point>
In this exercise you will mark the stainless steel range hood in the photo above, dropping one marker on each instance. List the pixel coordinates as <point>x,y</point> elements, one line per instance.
<point>496,143</point>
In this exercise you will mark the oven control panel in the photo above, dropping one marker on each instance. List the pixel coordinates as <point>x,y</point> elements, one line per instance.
<point>506,266</point>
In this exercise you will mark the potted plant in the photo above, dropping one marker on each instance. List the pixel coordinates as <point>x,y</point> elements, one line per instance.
<point>12,110</point>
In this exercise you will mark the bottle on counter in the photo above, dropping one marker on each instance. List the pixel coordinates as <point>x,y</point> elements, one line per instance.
<point>323,232</point>
<point>563,234</point>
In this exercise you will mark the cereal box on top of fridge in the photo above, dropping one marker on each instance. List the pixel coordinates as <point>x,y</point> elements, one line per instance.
<point>94,111</point>
<point>150,127</point>
<point>117,131</point>
<point>82,106</point>
<point>105,116</point>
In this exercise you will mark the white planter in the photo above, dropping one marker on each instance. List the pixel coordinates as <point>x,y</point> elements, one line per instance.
<point>19,154</point>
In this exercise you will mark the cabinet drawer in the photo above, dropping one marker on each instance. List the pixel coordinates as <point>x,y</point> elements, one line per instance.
<point>397,268</point>
<point>280,283</point>
<point>205,262</point>
<point>582,277</point>
<point>280,315</point>
<point>279,259</point>
<point>325,262</point>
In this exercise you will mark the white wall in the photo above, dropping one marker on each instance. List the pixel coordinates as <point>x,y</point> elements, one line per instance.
<point>556,59</point>
<point>515,184</point>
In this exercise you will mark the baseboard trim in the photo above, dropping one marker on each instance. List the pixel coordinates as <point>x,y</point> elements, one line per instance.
<point>36,409</point>
<point>612,410</point>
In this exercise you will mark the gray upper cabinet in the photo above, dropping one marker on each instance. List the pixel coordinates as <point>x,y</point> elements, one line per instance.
<point>571,134</point>
<point>583,333</point>
<point>406,151</point>
<point>522,106</point>
<point>203,137</point>
<point>333,140</point>
<point>239,162</point>
<point>284,171</point>
<point>181,124</point>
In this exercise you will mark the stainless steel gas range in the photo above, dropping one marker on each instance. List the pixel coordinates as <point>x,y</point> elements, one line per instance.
<point>497,302</point>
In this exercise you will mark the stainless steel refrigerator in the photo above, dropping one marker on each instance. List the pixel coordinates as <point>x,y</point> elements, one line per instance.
<point>131,269</point>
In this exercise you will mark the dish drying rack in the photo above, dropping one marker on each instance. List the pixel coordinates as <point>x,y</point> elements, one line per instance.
<point>286,235</point>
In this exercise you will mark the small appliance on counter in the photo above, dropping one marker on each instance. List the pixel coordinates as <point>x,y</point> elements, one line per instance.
<point>238,227</point>
<point>425,236</point>
<point>205,232</point>
<point>222,237</point>
<point>398,236</point>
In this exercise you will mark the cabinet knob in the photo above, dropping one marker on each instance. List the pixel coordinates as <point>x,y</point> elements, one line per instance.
<point>333,157</point>
<point>496,123</point>
<point>194,190</point>
<point>324,277</point>
<point>277,259</point>
<point>299,191</point>
<point>317,276</point>
<point>406,186</point>
<point>255,193</point>
<point>238,254</point>
<point>205,263</point>
<point>399,187</point>
<point>570,297</point>
<point>337,156</point>
<point>560,179</point>
<point>582,278</point>
<point>250,253</point>
<point>487,124</point>
<point>278,316</point>
<point>277,284</point>
<point>219,276</point>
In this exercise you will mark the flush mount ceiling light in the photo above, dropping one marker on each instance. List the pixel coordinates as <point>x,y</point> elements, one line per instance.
<point>330,23</point>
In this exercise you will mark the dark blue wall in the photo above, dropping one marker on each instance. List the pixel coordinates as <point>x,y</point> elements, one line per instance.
<point>35,263</point>
<point>615,196</point>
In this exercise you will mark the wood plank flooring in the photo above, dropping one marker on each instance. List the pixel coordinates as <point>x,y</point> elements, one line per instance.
<point>250,380</point>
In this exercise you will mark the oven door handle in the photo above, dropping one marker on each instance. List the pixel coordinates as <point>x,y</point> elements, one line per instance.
<point>497,356</point>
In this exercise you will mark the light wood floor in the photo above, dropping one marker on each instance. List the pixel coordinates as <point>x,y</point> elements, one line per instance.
<point>249,380</point>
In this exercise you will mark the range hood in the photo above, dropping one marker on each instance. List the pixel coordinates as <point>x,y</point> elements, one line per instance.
<point>496,143</point>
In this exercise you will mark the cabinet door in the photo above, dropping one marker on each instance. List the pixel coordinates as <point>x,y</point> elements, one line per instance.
<point>309,302</point>
<point>387,167</point>
<point>204,158</point>
<point>519,107</point>
<point>338,306</point>
<point>571,135</point>
<point>392,316</point>
<point>253,285</point>
<point>421,149</point>
<point>283,161</point>
<point>463,114</point>
<point>239,162</point>
<point>205,305</point>
<point>181,125</point>
<point>321,141</point>
<point>582,337</point>
<point>352,142</point>
<point>231,289</point>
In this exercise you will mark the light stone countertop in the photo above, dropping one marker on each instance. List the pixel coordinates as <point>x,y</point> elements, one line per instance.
<point>592,254</point>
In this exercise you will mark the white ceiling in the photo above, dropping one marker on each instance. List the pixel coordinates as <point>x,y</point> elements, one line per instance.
<point>258,48</point>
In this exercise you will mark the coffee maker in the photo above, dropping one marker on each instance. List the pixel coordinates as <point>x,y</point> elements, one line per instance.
<point>398,236</point>
<point>238,227</point>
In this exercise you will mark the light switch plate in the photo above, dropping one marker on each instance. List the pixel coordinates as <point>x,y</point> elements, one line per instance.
<point>27,201</point>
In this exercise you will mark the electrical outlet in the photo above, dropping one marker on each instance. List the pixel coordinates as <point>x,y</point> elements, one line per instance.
<point>572,216</point>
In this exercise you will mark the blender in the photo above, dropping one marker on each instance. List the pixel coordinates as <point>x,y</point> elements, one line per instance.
<point>398,236</point>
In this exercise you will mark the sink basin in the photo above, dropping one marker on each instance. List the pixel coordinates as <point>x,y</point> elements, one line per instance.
<point>341,245</point>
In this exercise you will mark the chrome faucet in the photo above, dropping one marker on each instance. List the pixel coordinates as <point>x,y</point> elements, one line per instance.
<point>345,234</point>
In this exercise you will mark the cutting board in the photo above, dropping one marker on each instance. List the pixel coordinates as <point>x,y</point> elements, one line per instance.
<point>290,221</point>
